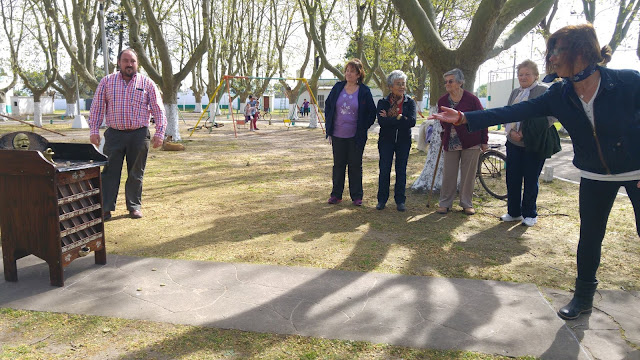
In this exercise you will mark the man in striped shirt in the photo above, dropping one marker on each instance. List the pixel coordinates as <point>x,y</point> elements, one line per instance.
<point>126,100</point>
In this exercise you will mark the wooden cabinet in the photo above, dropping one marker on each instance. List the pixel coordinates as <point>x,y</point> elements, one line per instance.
<point>51,210</point>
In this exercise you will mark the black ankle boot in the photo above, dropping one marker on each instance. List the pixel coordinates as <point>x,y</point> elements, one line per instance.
<point>582,301</point>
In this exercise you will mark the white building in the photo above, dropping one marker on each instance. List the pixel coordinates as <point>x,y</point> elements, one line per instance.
<point>498,91</point>
<point>23,105</point>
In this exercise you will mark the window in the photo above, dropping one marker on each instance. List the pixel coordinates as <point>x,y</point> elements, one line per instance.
<point>321,101</point>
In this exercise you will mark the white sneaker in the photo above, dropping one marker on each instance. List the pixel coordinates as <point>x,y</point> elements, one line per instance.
<point>530,221</point>
<point>507,217</point>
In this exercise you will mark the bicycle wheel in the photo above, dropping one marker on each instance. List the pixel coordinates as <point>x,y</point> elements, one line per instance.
<point>492,169</point>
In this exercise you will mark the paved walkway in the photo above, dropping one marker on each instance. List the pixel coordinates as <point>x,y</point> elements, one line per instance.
<point>422,312</point>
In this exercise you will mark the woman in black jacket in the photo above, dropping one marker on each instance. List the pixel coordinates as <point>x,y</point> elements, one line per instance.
<point>396,117</point>
<point>600,108</point>
<point>349,112</point>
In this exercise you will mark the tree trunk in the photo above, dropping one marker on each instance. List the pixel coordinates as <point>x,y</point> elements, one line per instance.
<point>313,116</point>
<point>3,104</point>
<point>293,112</point>
<point>198,108</point>
<point>423,182</point>
<point>37,113</point>
<point>419,106</point>
<point>72,109</point>
<point>214,108</point>
<point>171,111</point>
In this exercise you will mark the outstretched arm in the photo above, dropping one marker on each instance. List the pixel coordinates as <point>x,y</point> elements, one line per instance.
<point>449,115</point>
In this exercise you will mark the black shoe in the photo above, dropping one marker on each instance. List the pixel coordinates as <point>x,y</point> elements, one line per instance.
<point>380,206</point>
<point>107,215</point>
<point>582,301</point>
<point>402,207</point>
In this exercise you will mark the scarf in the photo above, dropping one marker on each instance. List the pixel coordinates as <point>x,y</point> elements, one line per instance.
<point>523,94</point>
<point>393,109</point>
<point>588,71</point>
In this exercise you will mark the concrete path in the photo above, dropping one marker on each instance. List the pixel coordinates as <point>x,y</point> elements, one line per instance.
<point>422,312</point>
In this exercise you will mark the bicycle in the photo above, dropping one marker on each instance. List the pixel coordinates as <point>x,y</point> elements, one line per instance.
<point>265,115</point>
<point>492,167</point>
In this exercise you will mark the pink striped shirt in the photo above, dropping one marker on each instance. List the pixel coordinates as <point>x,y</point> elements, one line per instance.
<point>127,106</point>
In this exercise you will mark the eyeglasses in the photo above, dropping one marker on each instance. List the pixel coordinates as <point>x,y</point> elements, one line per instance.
<point>451,81</point>
<point>557,51</point>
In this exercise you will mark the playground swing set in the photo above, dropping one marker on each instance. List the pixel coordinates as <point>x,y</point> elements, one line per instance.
<point>288,121</point>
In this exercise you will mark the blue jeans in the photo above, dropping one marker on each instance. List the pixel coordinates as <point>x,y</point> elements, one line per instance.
<point>386,151</point>
<point>522,165</point>
<point>596,200</point>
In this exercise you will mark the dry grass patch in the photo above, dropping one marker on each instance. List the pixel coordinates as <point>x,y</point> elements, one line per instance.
<point>39,335</point>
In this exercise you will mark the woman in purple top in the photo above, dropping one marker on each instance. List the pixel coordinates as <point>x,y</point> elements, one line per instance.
<point>349,112</point>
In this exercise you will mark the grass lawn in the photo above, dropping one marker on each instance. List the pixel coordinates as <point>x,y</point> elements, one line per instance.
<point>261,198</point>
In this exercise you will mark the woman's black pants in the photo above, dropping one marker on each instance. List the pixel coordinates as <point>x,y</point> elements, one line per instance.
<point>347,153</point>
<point>596,201</point>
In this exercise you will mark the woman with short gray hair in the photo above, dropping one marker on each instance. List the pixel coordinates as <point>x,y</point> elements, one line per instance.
<point>461,147</point>
<point>457,74</point>
<point>396,117</point>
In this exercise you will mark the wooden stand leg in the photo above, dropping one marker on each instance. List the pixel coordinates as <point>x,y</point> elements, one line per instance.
<point>101,256</point>
<point>10,265</point>
<point>56,273</point>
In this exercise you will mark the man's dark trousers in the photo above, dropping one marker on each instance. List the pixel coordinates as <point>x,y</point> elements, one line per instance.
<point>118,145</point>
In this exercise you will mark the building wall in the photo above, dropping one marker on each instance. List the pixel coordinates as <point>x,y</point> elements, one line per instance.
<point>23,105</point>
<point>498,92</point>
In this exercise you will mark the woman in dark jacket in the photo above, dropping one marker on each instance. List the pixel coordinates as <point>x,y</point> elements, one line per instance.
<point>600,108</point>
<point>349,112</point>
<point>396,117</point>
<point>526,154</point>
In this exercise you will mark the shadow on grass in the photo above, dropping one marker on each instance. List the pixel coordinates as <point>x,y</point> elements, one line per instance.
<point>429,318</point>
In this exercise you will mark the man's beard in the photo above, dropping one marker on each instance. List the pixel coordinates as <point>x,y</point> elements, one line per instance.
<point>129,71</point>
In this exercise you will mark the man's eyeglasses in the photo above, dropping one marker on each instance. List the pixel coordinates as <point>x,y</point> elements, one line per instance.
<point>451,81</point>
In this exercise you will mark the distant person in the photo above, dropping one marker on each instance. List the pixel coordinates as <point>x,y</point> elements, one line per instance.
<point>599,107</point>
<point>461,148</point>
<point>396,117</point>
<point>247,111</point>
<point>529,143</point>
<point>349,113</point>
<point>256,115</point>
<point>126,100</point>
<point>305,108</point>
<point>253,106</point>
